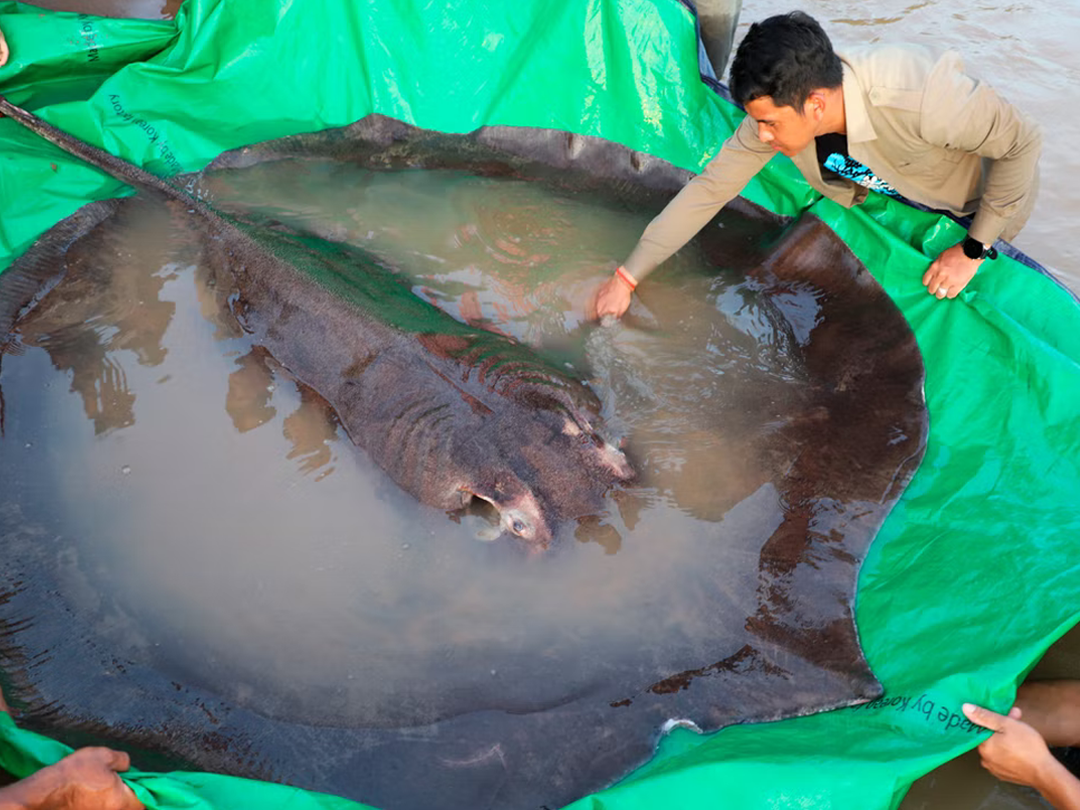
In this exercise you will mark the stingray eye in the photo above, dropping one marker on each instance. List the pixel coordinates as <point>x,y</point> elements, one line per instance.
<point>518,527</point>
<point>589,440</point>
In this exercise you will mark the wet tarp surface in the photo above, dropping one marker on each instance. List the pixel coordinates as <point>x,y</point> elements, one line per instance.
<point>972,575</point>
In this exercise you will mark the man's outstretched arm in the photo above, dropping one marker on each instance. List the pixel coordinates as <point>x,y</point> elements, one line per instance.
<point>742,156</point>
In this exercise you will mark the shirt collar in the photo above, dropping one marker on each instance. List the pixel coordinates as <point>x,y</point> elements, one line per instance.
<point>857,120</point>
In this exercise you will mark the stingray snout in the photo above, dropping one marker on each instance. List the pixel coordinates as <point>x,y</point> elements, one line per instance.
<point>519,516</point>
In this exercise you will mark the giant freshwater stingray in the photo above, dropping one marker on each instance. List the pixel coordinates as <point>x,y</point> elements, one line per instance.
<point>835,436</point>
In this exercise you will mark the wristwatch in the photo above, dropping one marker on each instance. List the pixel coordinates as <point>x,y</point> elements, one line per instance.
<point>974,249</point>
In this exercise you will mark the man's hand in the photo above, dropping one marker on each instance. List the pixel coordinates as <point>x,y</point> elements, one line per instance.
<point>613,298</point>
<point>1017,753</point>
<point>4,53</point>
<point>950,273</point>
<point>84,780</point>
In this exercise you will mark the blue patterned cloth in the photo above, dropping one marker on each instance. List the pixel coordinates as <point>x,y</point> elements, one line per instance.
<point>846,166</point>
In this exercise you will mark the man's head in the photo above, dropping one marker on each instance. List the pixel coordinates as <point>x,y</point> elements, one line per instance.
<point>782,74</point>
<point>785,57</point>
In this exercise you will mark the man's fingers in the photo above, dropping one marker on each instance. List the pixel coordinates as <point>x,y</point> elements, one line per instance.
<point>590,306</point>
<point>121,761</point>
<point>1015,713</point>
<point>106,757</point>
<point>984,717</point>
<point>117,760</point>
<point>938,283</point>
<point>930,274</point>
<point>935,281</point>
<point>613,298</point>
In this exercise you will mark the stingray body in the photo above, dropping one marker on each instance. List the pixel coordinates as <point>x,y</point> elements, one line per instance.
<point>451,414</point>
<point>835,439</point>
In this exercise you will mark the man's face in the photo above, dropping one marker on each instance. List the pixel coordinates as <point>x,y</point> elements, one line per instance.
<point>784,128</point>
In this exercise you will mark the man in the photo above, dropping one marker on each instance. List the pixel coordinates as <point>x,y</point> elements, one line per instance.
<point>84,780</point>
<point>901,119</point>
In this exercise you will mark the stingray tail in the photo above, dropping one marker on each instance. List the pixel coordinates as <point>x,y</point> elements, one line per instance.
<point>119,168</point>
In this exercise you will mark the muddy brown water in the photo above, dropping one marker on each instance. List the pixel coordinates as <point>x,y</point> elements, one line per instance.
<point>1026,50</point>
<point>208,521</point>
<point>142,384</point>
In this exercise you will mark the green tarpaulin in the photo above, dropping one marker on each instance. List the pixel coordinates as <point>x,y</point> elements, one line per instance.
<point>973,575</point>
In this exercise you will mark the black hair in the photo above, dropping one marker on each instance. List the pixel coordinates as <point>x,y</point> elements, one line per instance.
<point>785,57</point>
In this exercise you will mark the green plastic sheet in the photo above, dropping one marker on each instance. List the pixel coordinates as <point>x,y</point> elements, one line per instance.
<point>974,574</point>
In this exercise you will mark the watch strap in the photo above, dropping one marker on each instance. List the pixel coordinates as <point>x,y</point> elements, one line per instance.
<point>974,249</point>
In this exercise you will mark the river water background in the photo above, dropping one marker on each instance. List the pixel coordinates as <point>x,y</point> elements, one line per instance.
<point>1027,51</point>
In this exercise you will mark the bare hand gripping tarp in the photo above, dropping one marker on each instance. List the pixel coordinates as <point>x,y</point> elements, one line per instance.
<point>970,578</point>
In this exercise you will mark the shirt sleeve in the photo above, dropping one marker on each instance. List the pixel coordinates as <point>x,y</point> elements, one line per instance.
<point>742,156</point>
<point>959,112</point>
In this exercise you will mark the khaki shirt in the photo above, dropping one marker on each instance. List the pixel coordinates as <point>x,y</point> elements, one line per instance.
<point>916,120</point>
